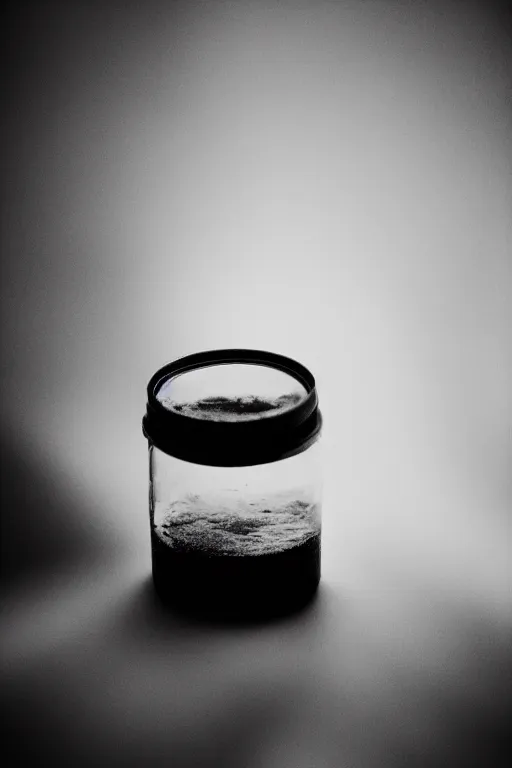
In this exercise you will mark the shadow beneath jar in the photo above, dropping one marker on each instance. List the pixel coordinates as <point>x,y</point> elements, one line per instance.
<point>146,612</point>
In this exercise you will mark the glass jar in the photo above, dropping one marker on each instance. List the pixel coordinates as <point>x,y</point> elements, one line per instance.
<point>235,483</point>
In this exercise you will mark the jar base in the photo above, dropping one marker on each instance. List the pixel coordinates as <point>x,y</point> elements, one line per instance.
<point>236,588</point>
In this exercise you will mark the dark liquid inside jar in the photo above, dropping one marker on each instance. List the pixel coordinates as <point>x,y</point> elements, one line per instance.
<point>237,561</point>
<point>236,587</point>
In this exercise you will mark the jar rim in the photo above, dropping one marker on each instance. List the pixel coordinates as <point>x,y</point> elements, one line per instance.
<point>238,442</point>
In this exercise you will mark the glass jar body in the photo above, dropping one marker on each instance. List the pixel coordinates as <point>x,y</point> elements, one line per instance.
<point>236,542</point>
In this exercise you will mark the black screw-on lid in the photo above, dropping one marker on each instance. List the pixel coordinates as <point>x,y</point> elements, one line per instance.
<point>233,443</point>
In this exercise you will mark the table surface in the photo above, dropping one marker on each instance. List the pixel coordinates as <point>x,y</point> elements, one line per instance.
<point>402,659</point>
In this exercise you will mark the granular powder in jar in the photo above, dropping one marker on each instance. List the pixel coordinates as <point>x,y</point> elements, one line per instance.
<point>252,558</point>
<point>243,408</point>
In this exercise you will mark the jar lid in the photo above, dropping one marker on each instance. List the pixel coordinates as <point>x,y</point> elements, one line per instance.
<point>232,407</point>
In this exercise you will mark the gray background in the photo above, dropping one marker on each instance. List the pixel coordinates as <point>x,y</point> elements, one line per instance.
<point>331,181</point>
